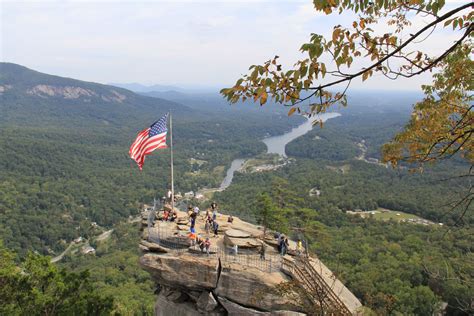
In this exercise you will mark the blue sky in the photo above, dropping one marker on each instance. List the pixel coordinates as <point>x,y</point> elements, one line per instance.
<point>185,43</point>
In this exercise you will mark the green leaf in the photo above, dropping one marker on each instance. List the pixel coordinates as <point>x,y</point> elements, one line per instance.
<point>441,3</point>
<point>304,70</point>
<point>323,69</point>
<point>434,8</point>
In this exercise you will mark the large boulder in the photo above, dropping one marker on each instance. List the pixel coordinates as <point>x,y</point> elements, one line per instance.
<point>152,247</point>
<point>182,270</point>
<point>235,309</point>
<point>182,221</point>
<point>166,307</point>
<point>178,241</point>
<point>206,302</point>
<point>236,233</point>
<point>168,207</point>
<point>245,243</point>
<point>183,227</point>
<point>253,288</point>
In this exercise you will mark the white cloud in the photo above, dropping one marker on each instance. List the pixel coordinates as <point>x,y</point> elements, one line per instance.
<point>181,42</point>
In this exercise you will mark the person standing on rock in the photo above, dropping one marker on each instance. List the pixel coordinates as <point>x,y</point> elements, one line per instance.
<point>262,252</point>
<point>201,243</point>
<point>282,246</point>
<point>174,216</point>
<point>193,219</point>
<point>192,236</point>
<point>207,245</point>
<point>215,227</point>
<point>299,247</point>
<point>236,249</point>
<point>207,226</point>
<point>279,241</point>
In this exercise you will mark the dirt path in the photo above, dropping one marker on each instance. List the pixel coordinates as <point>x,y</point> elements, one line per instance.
<point>104,235</point>
<point>363,147</point>
<point>60,257</point>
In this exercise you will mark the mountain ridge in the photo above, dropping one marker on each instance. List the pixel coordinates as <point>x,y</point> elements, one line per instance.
<point>29,95</point>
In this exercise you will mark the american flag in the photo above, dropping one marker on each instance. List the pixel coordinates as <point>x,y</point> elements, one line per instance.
<point>151,138</point>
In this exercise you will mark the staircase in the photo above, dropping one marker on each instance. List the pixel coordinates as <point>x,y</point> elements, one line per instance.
<point>323,290</point>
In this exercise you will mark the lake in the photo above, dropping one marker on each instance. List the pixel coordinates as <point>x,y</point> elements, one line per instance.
<point>276,145</point>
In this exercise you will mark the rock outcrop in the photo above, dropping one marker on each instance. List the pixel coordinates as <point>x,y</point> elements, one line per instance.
<point>223,282</point>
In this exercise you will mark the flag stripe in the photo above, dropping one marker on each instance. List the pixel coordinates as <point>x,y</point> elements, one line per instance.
<point>143,135</point>
<point>148,143</point>
<point>148,140</point>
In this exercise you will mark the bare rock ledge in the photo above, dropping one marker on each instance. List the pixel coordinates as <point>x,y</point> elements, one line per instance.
<point>190,282</point>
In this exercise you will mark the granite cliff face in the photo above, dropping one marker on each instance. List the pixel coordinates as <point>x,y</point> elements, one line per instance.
<point>192,282</point>
<point>70,92</point>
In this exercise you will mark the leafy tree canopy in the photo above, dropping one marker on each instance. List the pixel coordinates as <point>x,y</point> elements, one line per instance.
<point>38,287</point>
<point>441,124</point>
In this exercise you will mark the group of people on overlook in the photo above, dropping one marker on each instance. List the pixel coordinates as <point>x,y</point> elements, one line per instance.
<point>211,227</point>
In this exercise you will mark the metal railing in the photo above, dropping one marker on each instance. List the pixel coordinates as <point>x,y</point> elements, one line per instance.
<point>171,240</point>
<point>300,268</point>
<point>318,290</point>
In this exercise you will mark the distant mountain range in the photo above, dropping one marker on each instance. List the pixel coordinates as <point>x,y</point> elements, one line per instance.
<point>138,87</point>
<point>141,88</point>
<point>37,98</point>
<point>33,97</point>
<point>211,100</point>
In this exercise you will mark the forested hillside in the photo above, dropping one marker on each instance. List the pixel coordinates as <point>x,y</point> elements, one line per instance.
<point>64,155</point>
<point>65,172</point>
<point>64,166</point>
<point>392,266</point>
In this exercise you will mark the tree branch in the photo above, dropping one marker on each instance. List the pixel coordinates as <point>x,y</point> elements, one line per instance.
<point>412,38</point>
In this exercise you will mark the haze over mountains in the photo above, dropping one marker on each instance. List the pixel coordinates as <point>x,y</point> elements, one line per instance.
<point>138,87</point>
<point>38,98</point>
<point>211,100</point>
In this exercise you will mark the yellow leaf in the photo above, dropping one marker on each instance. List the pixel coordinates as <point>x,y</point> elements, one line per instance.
<point>365,75</point>
<point>263,98</point>
<point>335,34</point>
<point>291,111</point>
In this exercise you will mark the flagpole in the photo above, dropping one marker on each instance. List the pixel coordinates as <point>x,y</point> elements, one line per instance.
<point>172,171</point>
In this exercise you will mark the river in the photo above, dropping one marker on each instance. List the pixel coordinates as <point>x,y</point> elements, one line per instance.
<point>275,145</point>
<point>234,166</point>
